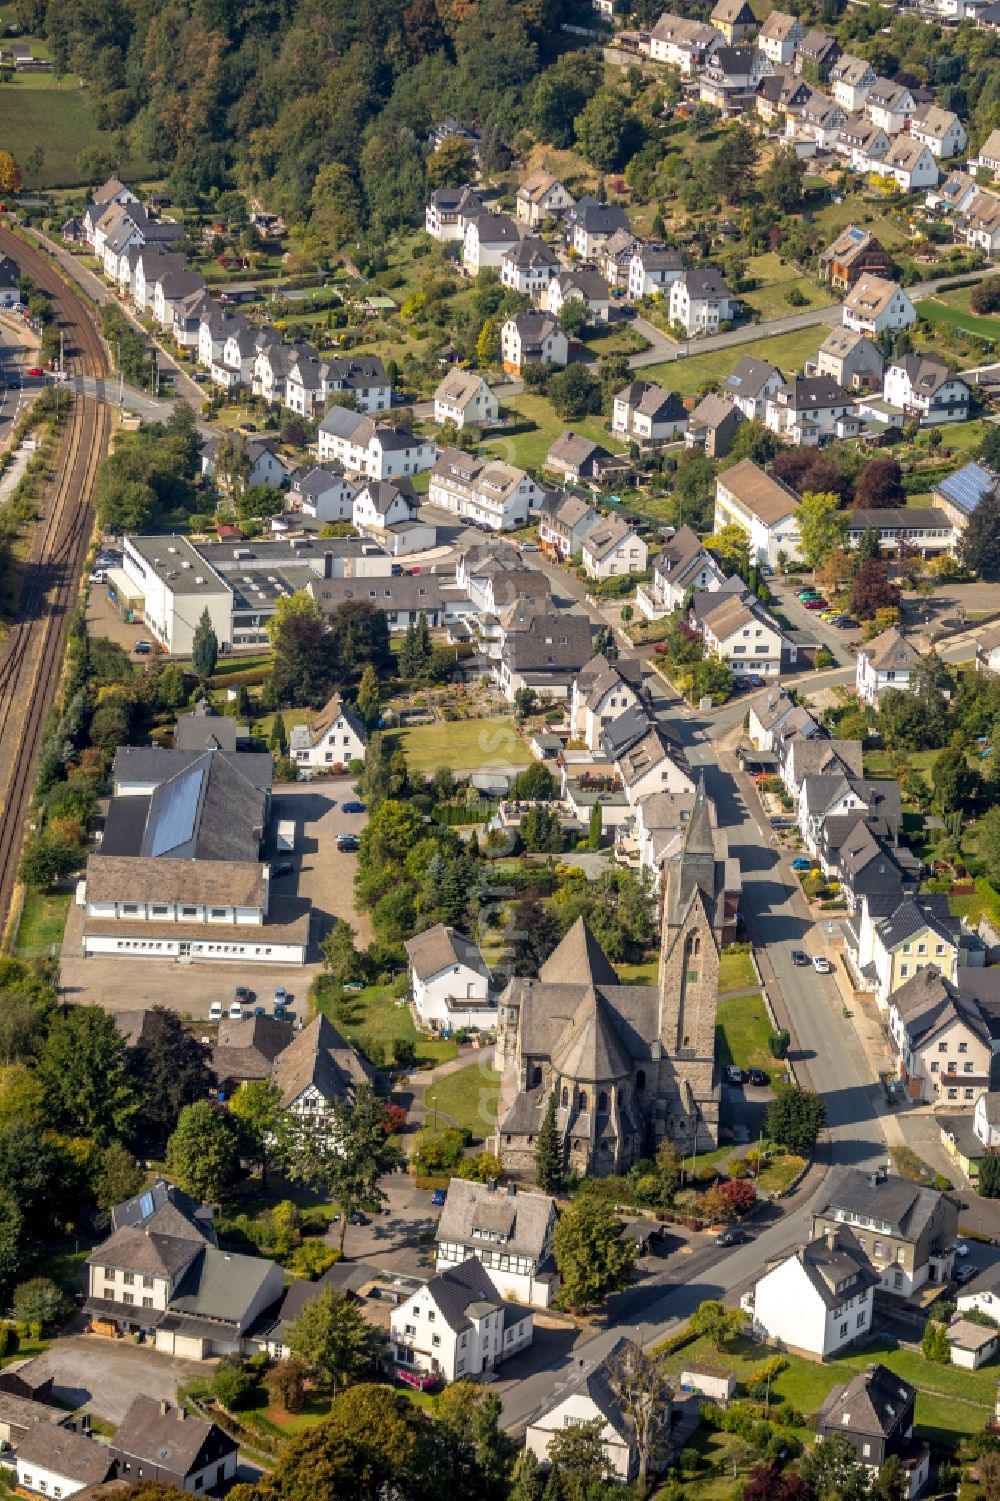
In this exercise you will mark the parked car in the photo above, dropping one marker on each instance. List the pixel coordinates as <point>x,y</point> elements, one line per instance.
<point>355,807</point>
<point>961,1249</point>
<point>800,957</point>
<point>966,1272</point>
<point>99,576</point>
<point>35,370</point>
<point>830,615</point>
<point>801,863</point>
<point>734,1074</point>
<point>280,996</point>
<point>808,594</point>
<point>260,1011</point>
<point>731,1237</point>
<point>279,1012</point>
<point>348,844</point>
<point>142,648</point>
<point>358,1218</point>
<point>235,1012</point>
<point>815,604</point>
<point>438,1197</point>
<point>821,964</point>
<point>354,986</point>
<point>282,868</point>
<point>215,1011</point>
<point>244,995</point>
<point>754,680</point>
<point>846,623</point>
<point>757,1077</point>
<point>782,821</point>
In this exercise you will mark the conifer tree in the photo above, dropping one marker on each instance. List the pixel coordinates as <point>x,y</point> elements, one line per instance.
<point>548,1151</point>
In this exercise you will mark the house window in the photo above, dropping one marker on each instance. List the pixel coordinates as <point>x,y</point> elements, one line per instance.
<point>431,1316</point>
<point>127,1298</point>
<point>904,970</point>
<point>128,1278</point>
<point>843,1331</point>
<point>968,1093</point>
<point>866,1450</point>
<point>640,1081</point>
<point>564,1097</point>
<point>897,1279</point>
<point>968,1068</point>
<point>435,1340</point>
<point>147,1302</point>
<point>934,1066</point>
<point>953,1094</point>
<point>147,1281</point>
<point>942,1047</point>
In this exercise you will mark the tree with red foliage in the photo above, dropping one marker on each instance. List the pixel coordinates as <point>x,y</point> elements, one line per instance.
<point>768,1483</point>
<point>872,590</point>
<point>740,1194</point>
<point>880,484</point>
<point>394,1119</point>
<point>808,469</point>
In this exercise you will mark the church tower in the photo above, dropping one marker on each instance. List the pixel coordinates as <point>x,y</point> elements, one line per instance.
<point>688,1110</point>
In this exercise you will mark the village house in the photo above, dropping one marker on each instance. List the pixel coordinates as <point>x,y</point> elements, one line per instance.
<point>529,267</point>
<point>683,44</point>
<point>508,1230</point>
<point>584,285</point>
<point>404,598</point>
<point>763,506</point>
<point>959,494</point>
<point>157,1444</point>
<point>318,1070</point>
<point>612,548</point>
<point>487,237</point>
<point>889,105</point>
<point>749,385</point>
<point>854,253</point>
<point>449,210</point>
<point>712,426</point>
<point>955,195</point>
<point>849,358</point>
<point>574,458</point>
<point>334,739</point>
<point>735,20</point>
<point>779,37</point>
<point>563,522</point>
<point>589,223</point>
<point>731,79</point>
<point>909,163</point>
<point>602,692</point>
<point>323,492</point>
<point>851,78</point>
<point>819,120</point>
<point>818,1300</point>
<point>908,1232</point>
<point>861,143</point>
<point>940,130</point>
<point>700,301</point>
<point>239,356</point>
<point>57,1461</point>
<point>495,575</point>
<point>979,226</point>
<point>809,410</point>
<point>682,565</point>
<point>874,305</point>
<point>989,152</point>
<point>885,662</point>
<point>739,632</point>
<point>449,982</point>
<point>874,1413</point>
<point>614,257</point>
<point>944,1042</point>
<point>817,55</point>
<point>458,1325</point>
<point>652,270</point>
<point>868,866</point>
<point>652,763</point>
<point>779,94</point>
<point>813,755</point>
<point>546,655</point>
<point>922,386</point>
<point>373,449</point>
<point>911,938</point>
<point>532,339</point>
<point>831,805</point>
<point>593,1394</point>
<point>644,413</point>
<point>381,504</point>
<point>541,196</point>
<point>464,398</point>
<point>485,490</point>
<point>247,462</point>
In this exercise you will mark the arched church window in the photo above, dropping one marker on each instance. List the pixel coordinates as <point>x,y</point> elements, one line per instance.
<point>583,1099</point>
<point>694,943</point>
<point>536,1075</point>
<point>602,1101</point>
<point>564,1097</point>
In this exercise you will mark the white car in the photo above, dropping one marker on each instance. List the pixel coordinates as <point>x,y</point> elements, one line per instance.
<point>215,1011</point>
<point>821,964</point>
<point>235,1012</point>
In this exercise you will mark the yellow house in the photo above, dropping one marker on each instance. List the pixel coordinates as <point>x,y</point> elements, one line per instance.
<point>735,20</point>
<point>907,942</point>
<point>943,1040</point>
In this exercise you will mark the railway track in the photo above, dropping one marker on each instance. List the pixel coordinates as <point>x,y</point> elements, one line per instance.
<point>31,656</point>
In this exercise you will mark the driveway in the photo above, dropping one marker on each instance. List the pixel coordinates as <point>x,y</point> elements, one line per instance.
<point>103,1376</point>
<point>320,872</point>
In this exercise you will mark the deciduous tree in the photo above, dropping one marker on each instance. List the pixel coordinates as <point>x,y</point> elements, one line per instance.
<point>822,526</point>
<point>879,485</point>
<point>333,1339</point>
<point>645,1397</point>
<point>607,132</point>
<point>256,1107</point>
<point>203,1152</point>
<point>795,1117</point>
<point>979,548</point>
<point>717,1323</point>
<point>592,1257</point>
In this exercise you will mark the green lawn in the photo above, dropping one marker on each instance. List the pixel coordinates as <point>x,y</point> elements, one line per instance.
<point>778,278</point>
<point>464,745</point>
<point>38,111</point>
<point>373,1019</point>
<point>43,918</point>
<point>780,1172</point>
<point>951,1400</point>
<point>528,449</point>
<point>953,308</point>
<point>804,1383</point>
<point>742,1031</point>
<point>736,971</point>
<point>469,1096</point>
<point>855,209</point>
<point>646,973</point>
<point>788,351</point>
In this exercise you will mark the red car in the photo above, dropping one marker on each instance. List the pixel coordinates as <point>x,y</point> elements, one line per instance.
<point>35,370</point>
<point>817,604</point>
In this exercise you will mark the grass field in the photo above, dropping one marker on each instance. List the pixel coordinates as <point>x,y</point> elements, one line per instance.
<point>780,1172</point>
<point>736,971</point>
<point>777,279</point>
<point>953,308</point>
<point>373,1020</point>
<point>464,745</point>
<point>528,449</point>
<point>855,209</point>
<point>742,1031</point>
<point>788,351</point>
<point>645,973</point>
<point>37,111</point>
<point>43,919</point>
<point>469,1096</point>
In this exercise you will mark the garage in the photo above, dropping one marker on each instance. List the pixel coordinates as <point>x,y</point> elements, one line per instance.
<point>173,1341</point>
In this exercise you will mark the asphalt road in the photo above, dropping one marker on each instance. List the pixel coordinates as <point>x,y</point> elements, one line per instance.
<point>15,387</point>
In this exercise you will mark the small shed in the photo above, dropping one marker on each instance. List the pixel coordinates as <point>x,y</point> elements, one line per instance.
<point>971,1344</point>
<point>714,1381</point>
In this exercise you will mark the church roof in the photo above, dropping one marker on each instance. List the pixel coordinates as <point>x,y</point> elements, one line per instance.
<point>579,960</point>
<point>589,1051</point>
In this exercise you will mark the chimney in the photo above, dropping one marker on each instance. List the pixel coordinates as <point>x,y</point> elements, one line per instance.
<point>164,1407</point>
<point>832,1235</point>
<point>181,1414</point>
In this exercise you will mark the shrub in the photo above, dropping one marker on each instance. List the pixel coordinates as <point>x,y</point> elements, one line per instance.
<point>39,1302</point>
<point>312,1259</point>
<point>232,1383</point>
<point>286,1384</point>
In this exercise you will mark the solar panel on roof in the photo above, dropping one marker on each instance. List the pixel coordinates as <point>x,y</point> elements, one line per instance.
<point>967,486</point>
<point>177,812</point>
<point>146,1205</point>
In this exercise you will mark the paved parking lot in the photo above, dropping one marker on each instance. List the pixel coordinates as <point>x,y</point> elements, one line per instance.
<point>319,873</point>
<point>103,1376</point>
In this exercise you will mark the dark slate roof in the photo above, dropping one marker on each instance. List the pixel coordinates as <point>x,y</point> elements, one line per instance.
<point>838,1271</point>
<point>910,918</point>
<point>705,281</point>
<point>626,730</point>
<point>927,1001</point>
<point>173,1440</point>
<point>220,1285</point>
<point>152,763</point>
<point>594,1380</point>
<point>560,643</point>
<point>597,218</point>
<point>208,810</point>
<point>749,376</point>
<point>873,1402</point>
<point>165,1209</point>
<point>900,518</point>
<point>71,1455</point>
<point>205,729</point>
<point>454,1290</point>
<point>886,1198</point>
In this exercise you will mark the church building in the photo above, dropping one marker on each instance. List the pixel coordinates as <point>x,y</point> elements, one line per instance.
<point>628,1064</point>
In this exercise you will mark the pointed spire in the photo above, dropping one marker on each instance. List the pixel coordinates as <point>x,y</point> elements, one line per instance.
<point>699,839</point>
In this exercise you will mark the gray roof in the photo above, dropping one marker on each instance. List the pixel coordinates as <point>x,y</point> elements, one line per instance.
<point>901,518</point>
<point>574,451</point>
<point>749,376</point>
<point>579,960</point>
<point>135,1250</point>
<point>883,1197</point>
<point>927,1001</point>
<point>558,643</point>
<point>220,1285</point>
<point>163,1208</point>
<point>705,281</point>
<point>477,1213</point>
<point>25,1413</point>
<point>597,218</point>
<point>440,947</point>
<point>317,479</point>
<point>341,422</point>
<point>589,1050</point>
<point>910,918</point>
<point>172,1440</point>
<point>66,1453</point>
<point>205,729</point>
<point>837,1271</point>
<point>320,1057</point>
<point>531,252</point>
<point>814,393</point>
<point>713,411</point>
<point>927,372</point>
<point>459,1289</point>
<point>211,808</point>
<point>874,1402</point>
<point>595,1380</point>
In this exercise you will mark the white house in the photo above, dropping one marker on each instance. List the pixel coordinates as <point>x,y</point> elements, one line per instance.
<point>763,506</point>
<point>541,196</point>
<point>818,1300</point>
<point>779,36</point>
<point>239,353</point>
<point>646,413</point>
<point>335,738</point>
<point>940,130</point>
<point>700,301</point>
<point>510,1231</point>
<point>749,385</point>
<point>373,449</point>
<point>264,464</point>
<point>874,304</point>
<point>487,237</point>
<point>593,1393</point>
<point>381,504</point>
<point>683,564</point>
<point>851,78</point>
<point>322,491</point>
<point>458,1325</point>
<point>885,662</point>
<point>989,152</point>
<point>739,631</point>
<point>808,410</point>
<point>159,1443</point>
<point>463,397</point>
<point>890,105</point>
<point>910,163</point>
<point>602,692</point>
<point>56,1461</point>
<point>589,224</point>
<point>612,548</point>
<point>923,386</point>
<point>980,224</point>
<point>486,490</point>
<point>449,982</point>
<point>532,339</point>
<point>653,270</point>
<point>529,267</point>
<point>652,764</point>
<point>582,284</point>
<point>986,1119</point>
<point>683,44</point>
<point>448,211</point>
<point>563,522</point>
